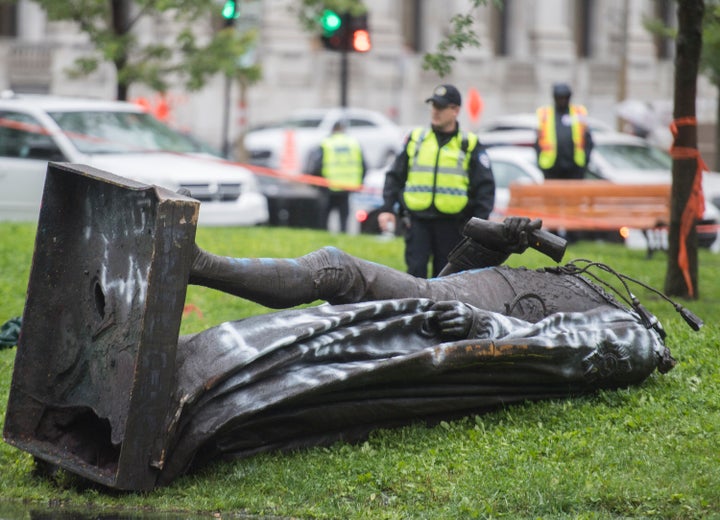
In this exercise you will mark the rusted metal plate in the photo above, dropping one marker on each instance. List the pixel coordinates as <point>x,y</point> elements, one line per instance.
<point>96,356</point>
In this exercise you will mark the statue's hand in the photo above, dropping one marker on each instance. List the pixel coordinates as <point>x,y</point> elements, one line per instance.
<point>454,318</point>
<point>517,231</point>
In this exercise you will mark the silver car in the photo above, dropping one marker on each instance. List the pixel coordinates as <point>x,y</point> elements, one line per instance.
<point>286,145</point>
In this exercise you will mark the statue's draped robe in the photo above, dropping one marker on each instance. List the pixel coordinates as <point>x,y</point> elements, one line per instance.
<point>313,376</point>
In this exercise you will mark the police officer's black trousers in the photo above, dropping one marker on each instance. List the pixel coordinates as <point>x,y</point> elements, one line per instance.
<point>431,237</point>
<point>339,200</point>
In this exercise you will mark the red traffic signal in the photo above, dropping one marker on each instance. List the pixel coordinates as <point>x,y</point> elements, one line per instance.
<point>361,41</point>
<point>359,34</point>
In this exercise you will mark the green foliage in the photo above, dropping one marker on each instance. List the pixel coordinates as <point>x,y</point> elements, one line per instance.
<point>649,451</point>
<point>189,58</point>
<point>710,57</point>
<point>460,35</point>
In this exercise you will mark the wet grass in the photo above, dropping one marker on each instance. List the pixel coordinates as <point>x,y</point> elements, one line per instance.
<point>646,452</point>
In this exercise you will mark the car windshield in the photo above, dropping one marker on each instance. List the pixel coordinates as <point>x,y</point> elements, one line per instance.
<point>506,173</point>
<point>627,156</point>
<point>303,122</point>
<point>95,132</point>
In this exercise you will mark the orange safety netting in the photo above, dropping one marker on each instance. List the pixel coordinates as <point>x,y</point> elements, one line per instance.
<point>695,206</point>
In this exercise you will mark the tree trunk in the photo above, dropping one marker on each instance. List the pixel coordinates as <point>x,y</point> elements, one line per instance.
<point>120,10</point>
<point>684,170</point>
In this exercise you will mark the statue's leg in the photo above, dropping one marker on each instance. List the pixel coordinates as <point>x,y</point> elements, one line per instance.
<point>326,274</point>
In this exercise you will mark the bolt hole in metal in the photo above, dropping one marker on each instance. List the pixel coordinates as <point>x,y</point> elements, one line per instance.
<point>99,297</point>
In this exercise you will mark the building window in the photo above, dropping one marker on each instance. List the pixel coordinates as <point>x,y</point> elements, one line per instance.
<point>665,14</point>
<point>411,20</point>
<point>584,11</point>
<point>8,20</point>
<point>499,28</point>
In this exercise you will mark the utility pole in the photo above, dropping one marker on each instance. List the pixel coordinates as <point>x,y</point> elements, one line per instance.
<point>344,78</point>
<point>622,73</point>
<point>230,12</point>
<point>226,118</point>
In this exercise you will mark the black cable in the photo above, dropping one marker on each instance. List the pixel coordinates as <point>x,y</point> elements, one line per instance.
<point>649,320</point>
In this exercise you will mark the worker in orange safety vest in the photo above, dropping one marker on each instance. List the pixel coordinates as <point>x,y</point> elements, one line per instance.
<point>564,142</point>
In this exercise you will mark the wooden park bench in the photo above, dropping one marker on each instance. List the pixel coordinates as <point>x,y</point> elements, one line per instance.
<point>600,206</point>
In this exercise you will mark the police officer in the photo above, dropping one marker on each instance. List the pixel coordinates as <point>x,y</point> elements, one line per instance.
<point>563,141</point>
<point>339,159</point>
<point>441,178</point>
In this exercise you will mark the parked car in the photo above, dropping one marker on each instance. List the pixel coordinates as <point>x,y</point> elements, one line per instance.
<point>521,130</point>
<point>624,158</point>
<point>270,145</point>
<point>528,121</point>
<point>512,164</point>
<point>292,203</point>
<point>122,139</point>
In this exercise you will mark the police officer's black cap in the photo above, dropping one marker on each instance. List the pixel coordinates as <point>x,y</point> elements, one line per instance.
<point>445,95</point>
<point>561,90</point>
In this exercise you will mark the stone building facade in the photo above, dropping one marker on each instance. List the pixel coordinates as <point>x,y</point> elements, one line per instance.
<point>600,47</point>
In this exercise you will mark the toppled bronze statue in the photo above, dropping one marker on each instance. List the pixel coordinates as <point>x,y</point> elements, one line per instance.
<point>121,399</point>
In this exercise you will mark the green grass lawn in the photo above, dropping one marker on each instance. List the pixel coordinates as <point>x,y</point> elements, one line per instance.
<point>651,451</point>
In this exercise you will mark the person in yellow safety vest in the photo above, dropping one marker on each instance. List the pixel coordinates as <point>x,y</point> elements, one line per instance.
<point>340,160</point>
<point>440,179</point>
<point>564,141</point>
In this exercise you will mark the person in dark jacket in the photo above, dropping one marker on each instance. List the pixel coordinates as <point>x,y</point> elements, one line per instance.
<point>441,178</point>
<point>564,141</point>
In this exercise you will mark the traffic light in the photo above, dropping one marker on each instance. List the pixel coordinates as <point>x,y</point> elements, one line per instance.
<point>345,32</point>
<point>333,30</point>
<point>359,40</point>
<point>230,11</point>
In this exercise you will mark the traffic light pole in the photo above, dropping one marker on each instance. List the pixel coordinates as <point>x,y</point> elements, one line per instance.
<point>344,78</point>
<point>226,119</point>
<point>230,12</point>
<point>345,33</point>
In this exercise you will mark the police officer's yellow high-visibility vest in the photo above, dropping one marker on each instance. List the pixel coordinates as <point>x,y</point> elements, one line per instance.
<point>438,176</point>
<point>547,137</point>
<point>342,162</point>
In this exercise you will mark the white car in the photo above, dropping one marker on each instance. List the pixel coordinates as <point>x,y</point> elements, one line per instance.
<point>512,164</point>
<point>626,159</point>
<point>287,144</point>
<point>623,158</point>
<point>528,121</point>
<point>119,138</point>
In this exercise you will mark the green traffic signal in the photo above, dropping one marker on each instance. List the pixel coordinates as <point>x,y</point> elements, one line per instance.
<point>330,21</point>
<point>230,10</point>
